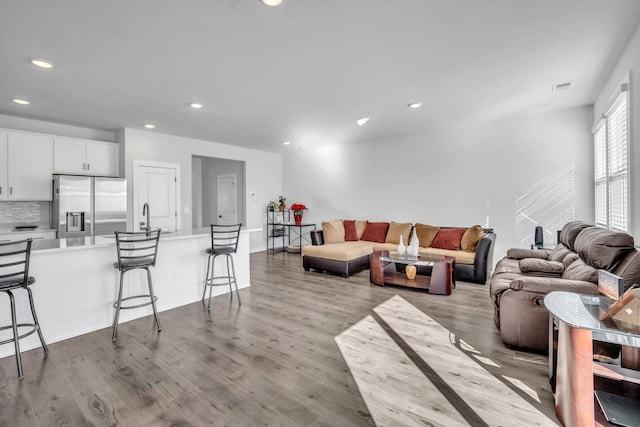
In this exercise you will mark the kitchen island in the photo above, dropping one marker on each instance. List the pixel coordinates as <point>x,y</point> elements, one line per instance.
<point>76,284</point>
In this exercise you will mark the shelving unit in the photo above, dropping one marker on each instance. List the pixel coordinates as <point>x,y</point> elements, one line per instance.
<point>280,229</point>
<point>276,231</point>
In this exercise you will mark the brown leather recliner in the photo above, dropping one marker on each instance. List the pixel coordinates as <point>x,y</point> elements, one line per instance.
<point>517,295</point>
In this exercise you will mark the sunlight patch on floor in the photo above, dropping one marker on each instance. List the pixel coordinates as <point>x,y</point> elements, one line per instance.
<point>397,392</point>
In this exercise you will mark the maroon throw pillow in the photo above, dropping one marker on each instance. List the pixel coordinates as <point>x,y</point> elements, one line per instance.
<point>350,231</point>
<point>448,238</point>
<point>375,232</point>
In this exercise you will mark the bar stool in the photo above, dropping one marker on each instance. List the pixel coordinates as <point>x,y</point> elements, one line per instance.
<point>224,242</point>
<point>14,275</point>
<point>136,250</point>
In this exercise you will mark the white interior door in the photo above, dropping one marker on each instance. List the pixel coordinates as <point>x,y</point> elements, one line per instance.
<point>156,186</point>
<point>227,200</point>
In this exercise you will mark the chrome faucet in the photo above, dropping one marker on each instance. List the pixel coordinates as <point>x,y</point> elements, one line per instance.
<point>146,211</point>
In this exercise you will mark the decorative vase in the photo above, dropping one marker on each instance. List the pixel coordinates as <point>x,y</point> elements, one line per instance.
<point>297,218</point>
<point>401,248</point>
<point>412,250</point>
<point>410,271</point>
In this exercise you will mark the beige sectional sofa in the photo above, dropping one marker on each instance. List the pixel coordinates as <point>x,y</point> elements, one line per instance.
<point>344,246</point>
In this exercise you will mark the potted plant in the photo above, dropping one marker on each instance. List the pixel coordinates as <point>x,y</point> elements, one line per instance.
<point>282,203</point>
<point>272,206</point>
<point>298,209</point>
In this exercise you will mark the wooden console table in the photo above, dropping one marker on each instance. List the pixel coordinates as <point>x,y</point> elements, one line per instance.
<point>383,271</point>
<point>573,326</point>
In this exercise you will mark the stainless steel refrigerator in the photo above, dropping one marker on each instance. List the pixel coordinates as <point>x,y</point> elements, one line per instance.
<point>88,206</point>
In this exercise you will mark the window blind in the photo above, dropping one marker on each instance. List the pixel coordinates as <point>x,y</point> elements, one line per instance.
<point>617,149</point>
<point>600,174</point>
<point>611,166</point>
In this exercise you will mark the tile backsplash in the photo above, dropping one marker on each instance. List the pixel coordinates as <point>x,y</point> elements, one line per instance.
<point>24,212</point>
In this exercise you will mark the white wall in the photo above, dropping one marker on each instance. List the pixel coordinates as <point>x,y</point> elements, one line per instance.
<point>457,176</point>
<point>263,171</point>
<point>629,61</point>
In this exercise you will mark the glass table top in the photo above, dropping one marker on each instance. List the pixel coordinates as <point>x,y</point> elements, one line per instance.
<point>422,259</point>
<point>582,311</point>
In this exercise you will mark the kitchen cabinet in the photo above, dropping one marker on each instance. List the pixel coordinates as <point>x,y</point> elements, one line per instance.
<point>25,166</point>
<point>35,235</point>
<point>85,157</point>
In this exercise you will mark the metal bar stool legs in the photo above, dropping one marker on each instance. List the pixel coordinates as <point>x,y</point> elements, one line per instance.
<point>118,304</point>
<point>153,300</point>
<point>212,280</point>
<point>14,275</point>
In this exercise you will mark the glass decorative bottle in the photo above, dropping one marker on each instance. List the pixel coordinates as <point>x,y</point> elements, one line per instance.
<point>401,248</point>
<point>412,250</point>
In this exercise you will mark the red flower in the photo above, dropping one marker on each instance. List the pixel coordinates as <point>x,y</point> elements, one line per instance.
<point>298,208</point>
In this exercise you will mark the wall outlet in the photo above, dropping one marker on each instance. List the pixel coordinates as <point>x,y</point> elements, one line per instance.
<point>335,208</point>
<point>186,209</point>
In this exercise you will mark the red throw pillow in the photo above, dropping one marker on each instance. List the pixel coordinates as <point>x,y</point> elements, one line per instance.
<point>375,232</point>
<point>350,231</point>
<point>448,238</point>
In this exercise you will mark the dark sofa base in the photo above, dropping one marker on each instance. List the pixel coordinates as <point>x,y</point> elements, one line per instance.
<point>344,268</point>
<point>463,272</point>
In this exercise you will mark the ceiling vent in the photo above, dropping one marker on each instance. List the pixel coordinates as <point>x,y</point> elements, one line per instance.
<point>562,86</point>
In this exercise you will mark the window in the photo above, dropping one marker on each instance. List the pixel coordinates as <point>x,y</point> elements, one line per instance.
<point>611,169</point>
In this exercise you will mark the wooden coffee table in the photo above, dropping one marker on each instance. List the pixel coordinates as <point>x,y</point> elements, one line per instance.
<point>383,271</point>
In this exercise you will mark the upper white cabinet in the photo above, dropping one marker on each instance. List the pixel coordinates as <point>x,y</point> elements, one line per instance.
<point>25,166</point>
<point>85,157</point>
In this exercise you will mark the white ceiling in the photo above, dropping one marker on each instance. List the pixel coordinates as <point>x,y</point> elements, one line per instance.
<point>305,71</point>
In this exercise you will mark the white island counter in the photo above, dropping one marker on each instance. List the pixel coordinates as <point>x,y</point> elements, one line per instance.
<point>76,284</point>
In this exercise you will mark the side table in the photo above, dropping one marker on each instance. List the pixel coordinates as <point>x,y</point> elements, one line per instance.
<point>573,326</point>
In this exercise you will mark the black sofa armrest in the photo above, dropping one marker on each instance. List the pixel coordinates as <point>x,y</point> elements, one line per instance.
<point>317,237</point>
<point>483,261</point>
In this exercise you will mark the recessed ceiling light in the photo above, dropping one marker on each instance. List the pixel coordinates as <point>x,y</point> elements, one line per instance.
<point>562,86</point>
<point>196,105</point>
<point>363,121</point>
<point>149,125</point>
<point>271,2</point>
<point>286,143</point>
<point>21,101</point>
<point>415,105</point>
<point>42,63</point>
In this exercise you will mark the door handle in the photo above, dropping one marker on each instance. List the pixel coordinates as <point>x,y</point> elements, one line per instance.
<point>219,216</point>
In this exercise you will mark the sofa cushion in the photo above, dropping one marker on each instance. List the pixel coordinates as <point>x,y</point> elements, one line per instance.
<point>602,248</point>
<point>461,257</point>
<point>344,251</point>
<point>397,229</point>
<point>448,238</point>
<point>579,270</point>
<point>569,259</point>
<point>360,227</point>
<point>333,231</point>
<point>375,232</point>
<point>570,231</point>
<point>558,253</point>
<point>350,230</point>
<point>522,253</point>
<point>426,234</point>
<point>471,237</point>
<point>541,267</point>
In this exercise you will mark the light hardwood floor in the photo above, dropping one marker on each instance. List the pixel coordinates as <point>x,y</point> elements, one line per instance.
<point>303,349</point>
